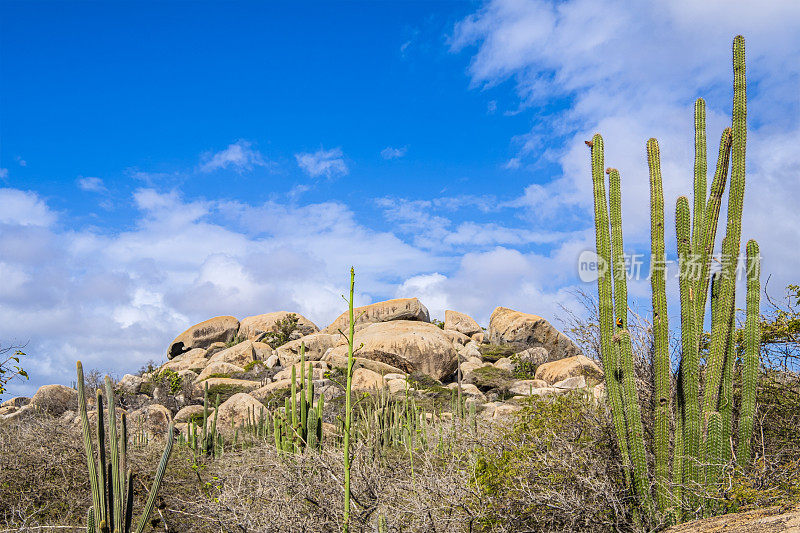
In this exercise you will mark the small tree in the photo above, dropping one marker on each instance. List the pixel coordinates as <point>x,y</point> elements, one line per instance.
<point>10,366</point>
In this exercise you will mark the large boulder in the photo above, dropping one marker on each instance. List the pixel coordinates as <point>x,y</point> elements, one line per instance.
<point>524,331</point>
<point>219,369</point>
<point>194,359</point>
<point>366,380</point>
<point>225,387</point>
<point>202,335</point>
<point>237,410</point>
<point>238,354</point>
<point>317,344</point>
<point>340,360</point>
<point>153,419</point>
<point>460,322</point>
<point>55,399</point>
<point>130,384</point>
<point>397,309</point>
<point>407,345</point>
<point>254,327</point>
<point>579,365</point>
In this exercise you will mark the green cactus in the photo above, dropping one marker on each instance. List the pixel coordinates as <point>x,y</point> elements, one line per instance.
<point>112,490</point>
<point>714,459</point>
<point>711,220</point>
<point>700,175</point>
<point>690,361</point>
<point>661,369</point>
<point>751,356</point>
<point>725,402</point>
<point>348,409</point>
<point>730,248</point>
<point>622,340</point>
<point>606,304</point>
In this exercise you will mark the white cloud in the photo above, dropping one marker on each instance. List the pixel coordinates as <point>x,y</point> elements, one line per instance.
<point>91,184</point>
<point>631,71</point>
<point>240,156</point>
<point>328,163</point>
<point>393,153</point>
<point>24,208</point>
<point>3,173</point>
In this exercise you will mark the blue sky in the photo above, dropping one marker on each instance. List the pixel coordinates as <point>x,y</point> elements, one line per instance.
<point>161,163</point>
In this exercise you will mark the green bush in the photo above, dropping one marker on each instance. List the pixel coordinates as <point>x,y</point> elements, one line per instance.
<point>285,328</point>
<point>490,377</point>
<point>495,352</point>
<point>225,391</point>
<point>553,469</point>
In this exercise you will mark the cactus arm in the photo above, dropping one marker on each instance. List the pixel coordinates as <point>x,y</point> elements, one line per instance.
<point>751,357</point>
<point>711,221</point>
<point>605,304</point>
<point>661,370</point>
<point>725,402</point>
<point>689,346</point>
<point>714,459</point>
<point>87,444</point>
<point>102,518</point>
<point>162,465</point>
<point>677,459</point>
<point>622,338</point>
<point>700,175</point>
<point>128,518</point>
<point>730,248</point>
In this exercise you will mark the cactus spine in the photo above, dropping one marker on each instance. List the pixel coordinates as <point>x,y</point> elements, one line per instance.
<point>660,326</point>
<point>112,497</point>
<point>750,358</point>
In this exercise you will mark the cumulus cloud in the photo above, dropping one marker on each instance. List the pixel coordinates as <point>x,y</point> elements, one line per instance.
<point>393,153</point>
<point>328,163</point>
<point>632,71</point>
<point>91,184</point>
<point>3,173</point>
<point>241,156</point>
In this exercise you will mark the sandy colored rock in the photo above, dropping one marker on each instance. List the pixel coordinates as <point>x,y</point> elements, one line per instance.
<point>470,366</point>
<point>458,339</point>
<point>195,359</point>
<point>504,363</point>
<point>579,365</point>
<point>468,389</point>
<point>16,401</point>
<point>262,393</point>
<point>153,419</point>
<point>505,410</point>
<point>237,410</point>
<point>340,361</point>
<point>254,327</point>
<point>55,399</point>
<point>775,519</point>
<point>262,350</point>
<point>317,344</point>
<point>575,382</point>
<point>396,386</point>
<point>317,372</point>
<point>242,385</point>
<point>365,380</point>
<point>525,387</point>
<point>398,309</point>
<point>407,345</point>
<point>219,367</point>
<point>130,384</point>
<point>461,322</point>
<point>217,329</point>
<point>191,411</point>
<point>535,356</point>
<point>238,354</point>
<point>524,331</point>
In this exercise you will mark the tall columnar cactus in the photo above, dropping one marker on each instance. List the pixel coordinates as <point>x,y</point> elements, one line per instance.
<point>622,345</point>
<point>112,491</point>
<point>690,361</point>
<point>750,358</point>
<point>606,304</point>
<point>730,248</point>
<point>304,427</point>
<point>702,429</point>
<point>661,367</point>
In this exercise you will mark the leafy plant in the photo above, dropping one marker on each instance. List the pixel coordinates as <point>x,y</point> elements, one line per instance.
<point>283,333</point>
<point>10,366</point>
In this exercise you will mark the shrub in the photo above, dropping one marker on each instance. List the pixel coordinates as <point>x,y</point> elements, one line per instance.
<point>284,329</point>
<point>495,352</point>
<point>490,377</point>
